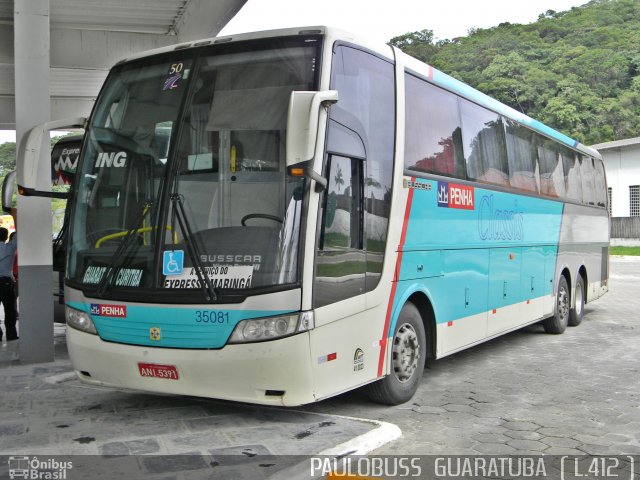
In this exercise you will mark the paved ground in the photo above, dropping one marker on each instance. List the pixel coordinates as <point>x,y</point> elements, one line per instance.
<point>524,393</point>
<point>529,392</point>
<point>45,411</point>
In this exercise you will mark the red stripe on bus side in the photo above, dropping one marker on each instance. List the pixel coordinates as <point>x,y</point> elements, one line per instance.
<point>394,284</point>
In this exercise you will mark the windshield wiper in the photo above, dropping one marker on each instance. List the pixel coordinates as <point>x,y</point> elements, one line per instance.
<point>117,259</point>
<point>192,248</point>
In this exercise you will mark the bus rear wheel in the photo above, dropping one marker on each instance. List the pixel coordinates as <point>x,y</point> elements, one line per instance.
<point>576,313</point>
<point>408,351</point>
<point>558,323</point>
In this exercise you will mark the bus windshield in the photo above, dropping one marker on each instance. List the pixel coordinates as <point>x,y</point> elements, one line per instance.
<point>184,172</point>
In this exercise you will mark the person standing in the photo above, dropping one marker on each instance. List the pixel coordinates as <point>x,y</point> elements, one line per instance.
<point>15,276</point>
<point>7,294</point>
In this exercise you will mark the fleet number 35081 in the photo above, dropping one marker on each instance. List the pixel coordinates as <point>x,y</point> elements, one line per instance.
<point>212,316</point>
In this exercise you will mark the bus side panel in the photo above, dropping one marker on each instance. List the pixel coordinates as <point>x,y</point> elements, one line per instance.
<point>345,352</point>
<point>465,286</point>
<point>482,256</point>
<point>550,261</point>
<point>532,282</point>
<point>584,242</point>
<point>505,266</point>
<point>462,318</point>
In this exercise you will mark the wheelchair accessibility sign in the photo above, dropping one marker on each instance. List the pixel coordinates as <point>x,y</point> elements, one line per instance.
<point>172,262</point>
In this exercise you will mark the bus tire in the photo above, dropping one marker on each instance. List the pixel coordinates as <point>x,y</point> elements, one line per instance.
<point>408,354</point>
<point>576,313</point>
<point>560,319</point>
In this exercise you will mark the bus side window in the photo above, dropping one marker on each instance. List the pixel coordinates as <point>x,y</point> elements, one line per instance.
<point>342,226</point>
<point>573,178</point>
<point>588,181</point>
<point>484,145</point>
<point>521,154</point>
<point>433,138</point>
<point>340,247</point>
<point>601,182</point>
<point>551,171</point>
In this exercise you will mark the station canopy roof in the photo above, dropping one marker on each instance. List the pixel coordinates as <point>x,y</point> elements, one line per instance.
<point>88,36</point>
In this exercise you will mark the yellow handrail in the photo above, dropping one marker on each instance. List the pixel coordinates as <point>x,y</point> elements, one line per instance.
<point>111,236</point>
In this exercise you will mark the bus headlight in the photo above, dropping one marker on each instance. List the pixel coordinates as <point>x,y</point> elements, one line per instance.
<point>79,320</point>
<point>269,328</point>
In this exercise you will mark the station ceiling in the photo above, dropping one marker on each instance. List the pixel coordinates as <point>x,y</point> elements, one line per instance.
<point>88,36</point>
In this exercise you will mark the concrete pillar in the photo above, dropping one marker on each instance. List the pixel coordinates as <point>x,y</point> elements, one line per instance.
<point>31,54</point>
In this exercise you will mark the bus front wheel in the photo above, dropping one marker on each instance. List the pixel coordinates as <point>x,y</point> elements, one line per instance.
<point>558,323</point>
<point>408,352</point>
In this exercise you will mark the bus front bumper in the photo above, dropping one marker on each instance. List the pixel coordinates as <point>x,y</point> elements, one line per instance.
<point>276,372</point>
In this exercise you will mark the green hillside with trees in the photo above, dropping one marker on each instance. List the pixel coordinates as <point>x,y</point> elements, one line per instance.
<point>577,71</point>
<point>8,154</point>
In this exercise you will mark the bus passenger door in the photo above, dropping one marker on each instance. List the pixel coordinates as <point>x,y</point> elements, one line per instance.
<point>352,228</point>
<point>339,283</point>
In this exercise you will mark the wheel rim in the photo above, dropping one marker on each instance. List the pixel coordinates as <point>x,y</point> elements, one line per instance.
<point>406,352</point>
<point>563,303</point>
<point>579,300</point>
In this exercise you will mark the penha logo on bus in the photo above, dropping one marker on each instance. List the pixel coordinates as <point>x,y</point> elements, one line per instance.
<point>452,195</point>
<point>104,310</point>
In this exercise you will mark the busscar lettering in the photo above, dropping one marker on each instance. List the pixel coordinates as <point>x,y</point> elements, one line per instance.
<point>241,259</point>
<point>417,185</point>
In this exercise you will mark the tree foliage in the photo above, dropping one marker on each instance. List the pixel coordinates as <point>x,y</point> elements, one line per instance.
<point>8,153</point>
<point>7,156</point>
<point>577,71</point>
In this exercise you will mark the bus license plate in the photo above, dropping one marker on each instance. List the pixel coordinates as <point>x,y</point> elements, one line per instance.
<point>158,371</point>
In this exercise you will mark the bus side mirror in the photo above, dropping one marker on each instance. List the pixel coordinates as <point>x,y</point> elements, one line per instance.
<point>29,156</point>
<point>302,131</point>
<point>7,191</point>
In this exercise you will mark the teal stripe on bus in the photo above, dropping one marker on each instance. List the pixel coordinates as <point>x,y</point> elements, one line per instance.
<point>179,327</point>
<point>470,258</point>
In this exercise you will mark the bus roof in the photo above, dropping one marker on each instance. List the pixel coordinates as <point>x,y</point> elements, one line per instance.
<point>282,32</point>
<point>432,74</point>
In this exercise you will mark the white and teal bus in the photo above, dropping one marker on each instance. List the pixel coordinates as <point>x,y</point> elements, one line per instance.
<point>327,214</point>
